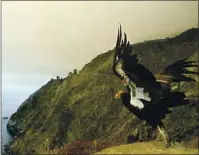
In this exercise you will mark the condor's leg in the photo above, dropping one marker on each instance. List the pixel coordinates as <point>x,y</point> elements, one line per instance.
<point>165,136</point>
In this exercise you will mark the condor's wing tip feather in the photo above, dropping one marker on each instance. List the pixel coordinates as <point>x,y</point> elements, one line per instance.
<point>188,79</point>
<point>118,47</point>
<point>177,63</point>
<point>119,37</point>
<point>185,71</point>
<point>120,27</point>
<point>125,38</point>
<point>118,42</point>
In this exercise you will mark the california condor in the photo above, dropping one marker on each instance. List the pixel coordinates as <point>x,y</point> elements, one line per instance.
<point>149,96</point>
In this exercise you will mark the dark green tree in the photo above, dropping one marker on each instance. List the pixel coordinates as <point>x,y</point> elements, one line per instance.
<point>70,74</point>
<point>58,77</point>
<point>75,72</point>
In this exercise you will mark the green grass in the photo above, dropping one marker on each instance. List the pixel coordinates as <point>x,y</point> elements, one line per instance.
<point>153,147</point>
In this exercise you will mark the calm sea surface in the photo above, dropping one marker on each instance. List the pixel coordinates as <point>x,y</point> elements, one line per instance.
<point>9,106</point>
<point>5,136</point>
<point>14,94</point>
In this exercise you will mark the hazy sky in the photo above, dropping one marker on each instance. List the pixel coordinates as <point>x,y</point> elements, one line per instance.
<point>45,39</point>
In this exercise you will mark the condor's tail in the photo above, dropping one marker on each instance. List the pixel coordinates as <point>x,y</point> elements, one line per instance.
<point>175,72</point>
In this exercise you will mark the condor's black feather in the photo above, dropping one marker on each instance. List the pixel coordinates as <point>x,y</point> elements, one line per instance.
<point>162,98</point>
<point>177,70</point>
<point>135,71</point>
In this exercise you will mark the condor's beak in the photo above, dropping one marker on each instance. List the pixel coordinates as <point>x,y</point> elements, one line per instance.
<point>118,95</point>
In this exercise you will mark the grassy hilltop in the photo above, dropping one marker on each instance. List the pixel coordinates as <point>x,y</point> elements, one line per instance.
<point>153,147</point>
<point>82,106</point>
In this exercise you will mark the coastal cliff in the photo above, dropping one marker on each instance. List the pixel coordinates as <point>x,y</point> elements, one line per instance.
<point>82,105</point>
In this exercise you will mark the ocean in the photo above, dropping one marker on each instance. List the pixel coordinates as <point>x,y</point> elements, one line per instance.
<point>11,100</point>
<point>5,136</point>
<point>8,108</point>
<point>15,90</point>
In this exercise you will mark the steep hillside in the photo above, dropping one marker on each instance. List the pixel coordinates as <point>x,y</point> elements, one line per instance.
<point>82,106</point>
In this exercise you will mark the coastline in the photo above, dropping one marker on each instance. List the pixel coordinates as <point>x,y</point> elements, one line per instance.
<point>6,138</point>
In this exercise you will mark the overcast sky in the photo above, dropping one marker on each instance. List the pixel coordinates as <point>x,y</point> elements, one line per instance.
<point>45,39</point>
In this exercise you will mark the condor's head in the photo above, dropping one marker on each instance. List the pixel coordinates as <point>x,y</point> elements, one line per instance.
<point>124,96</point>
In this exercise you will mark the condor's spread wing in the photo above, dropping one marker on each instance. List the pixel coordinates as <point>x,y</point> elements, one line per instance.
<point>176,71</point>
<point>126,65</point>
<point>122,54</point>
